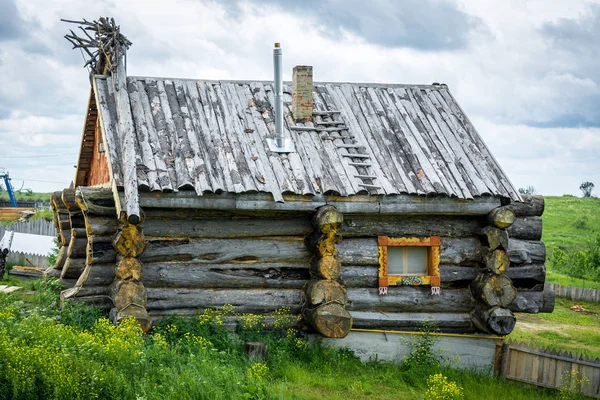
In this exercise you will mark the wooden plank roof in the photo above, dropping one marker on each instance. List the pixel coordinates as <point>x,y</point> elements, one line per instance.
<point>210,136</point>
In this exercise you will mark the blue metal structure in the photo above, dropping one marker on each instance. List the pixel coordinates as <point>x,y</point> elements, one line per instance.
<point>9,189</point>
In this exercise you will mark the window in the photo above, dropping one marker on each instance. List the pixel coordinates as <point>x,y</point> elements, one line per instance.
<point>409,261</point>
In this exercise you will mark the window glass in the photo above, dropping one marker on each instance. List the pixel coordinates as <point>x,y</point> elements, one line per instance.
<point>407,260</point>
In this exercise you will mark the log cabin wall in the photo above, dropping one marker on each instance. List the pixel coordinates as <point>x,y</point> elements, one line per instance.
<point>258,262</point>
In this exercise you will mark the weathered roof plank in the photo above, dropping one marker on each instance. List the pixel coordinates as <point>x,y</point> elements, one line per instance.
<point>211,136</point>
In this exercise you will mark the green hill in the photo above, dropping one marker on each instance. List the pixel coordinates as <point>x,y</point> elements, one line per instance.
<point>572,225</point>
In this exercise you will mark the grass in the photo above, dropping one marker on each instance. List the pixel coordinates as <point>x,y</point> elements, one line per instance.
<point>570,223</point>
<point>26,196</point>
<point>565,280</point>
<point>564,329</point>
<point>84,356</point>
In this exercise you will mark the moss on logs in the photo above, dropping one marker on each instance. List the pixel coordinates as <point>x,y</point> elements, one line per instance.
<point>495,238</point>
<point>493,290</point>
<point>129,241</point>
<point>326,298</point>
<point>501,217</point>
<point>497,261</point>
<point>129,268</point>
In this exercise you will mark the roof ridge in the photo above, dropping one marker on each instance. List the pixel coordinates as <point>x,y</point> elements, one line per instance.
<point>434,85</point>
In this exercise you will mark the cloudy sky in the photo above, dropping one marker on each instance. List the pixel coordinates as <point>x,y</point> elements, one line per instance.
<point>525,71</point>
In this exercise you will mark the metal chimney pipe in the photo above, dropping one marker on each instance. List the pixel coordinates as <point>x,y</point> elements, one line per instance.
<point>278,109</point>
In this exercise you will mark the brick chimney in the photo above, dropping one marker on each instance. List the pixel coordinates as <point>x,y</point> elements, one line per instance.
<point>302,87</point>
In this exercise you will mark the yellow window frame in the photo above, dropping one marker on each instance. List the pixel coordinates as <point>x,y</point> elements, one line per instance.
<point>433,251</point>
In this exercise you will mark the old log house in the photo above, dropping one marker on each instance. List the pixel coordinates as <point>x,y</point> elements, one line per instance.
<point>381,206</point>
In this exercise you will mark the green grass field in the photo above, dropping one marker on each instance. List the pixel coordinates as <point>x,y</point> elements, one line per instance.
<point>564,329</point>
<point>570,223</point>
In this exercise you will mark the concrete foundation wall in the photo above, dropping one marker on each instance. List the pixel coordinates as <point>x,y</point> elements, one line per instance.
<point>463,351</point>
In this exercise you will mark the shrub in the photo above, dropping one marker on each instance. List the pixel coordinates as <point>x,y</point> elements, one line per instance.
<point>440,388</point>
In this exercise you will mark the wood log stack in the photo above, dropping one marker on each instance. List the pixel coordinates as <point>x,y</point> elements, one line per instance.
<point>127,292</point>
<point>62,223</point>
<point>506,256</point>
<point>325,307</point>
<point>92,286</point>
<point>492,289</point>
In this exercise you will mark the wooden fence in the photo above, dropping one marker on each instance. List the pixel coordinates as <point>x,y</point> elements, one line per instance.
<point>574,293</point>
<point>549,368</point>
<point>37,227</point>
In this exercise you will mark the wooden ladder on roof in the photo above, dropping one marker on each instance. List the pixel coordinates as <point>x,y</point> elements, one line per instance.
<point>330,121</point>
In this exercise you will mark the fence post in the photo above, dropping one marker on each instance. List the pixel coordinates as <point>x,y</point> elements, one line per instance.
<point>504,359</point>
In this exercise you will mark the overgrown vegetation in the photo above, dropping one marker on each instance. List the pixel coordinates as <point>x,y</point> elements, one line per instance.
<point>77,354</point>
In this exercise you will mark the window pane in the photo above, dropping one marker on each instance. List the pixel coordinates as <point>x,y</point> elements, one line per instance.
<point>417,260</point>
<point>407,260</point>
<point>395,260</point>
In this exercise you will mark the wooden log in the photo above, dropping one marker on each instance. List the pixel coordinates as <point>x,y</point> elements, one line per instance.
<point>256,350</point>
<point>526,252</point>
<point>129,299</point>
<point>79,233</point>
<point>331,320</point>
<point>129,241</point>
<point>453,276</point>
<point>401,226</point>
<point>77,292</point>
<point>364,251</point>
<point>124,293</point>
<point>97,275</point>
<point>96,200</point>
<point>255,301</point>
<point>328,267</point>
<point>61,258</point>
<point>77,247</point>
<point>409,299</point>
<point>495,320</point>
<point>493,290</point>
<point>534,302</point>
<point>215,251</point>
<point>73,268</point>
<point>501,217</point>
<point>216,276</point>
<point>327,219</point>
<point>526,228</point>
<point>127,134</point>
<point>455,322</point>
<point>497,261</point>
<point>100,250</point>
<point>227,228</point>
<point>68,199</point>
<point>129,268</point>
<point>325,291</point>
<point>101,226</point>
<point>495,238</point>
<point>532,206</point>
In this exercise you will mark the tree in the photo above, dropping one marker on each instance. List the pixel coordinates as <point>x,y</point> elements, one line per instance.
<point>586,188</point>
<point>528,190</point>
